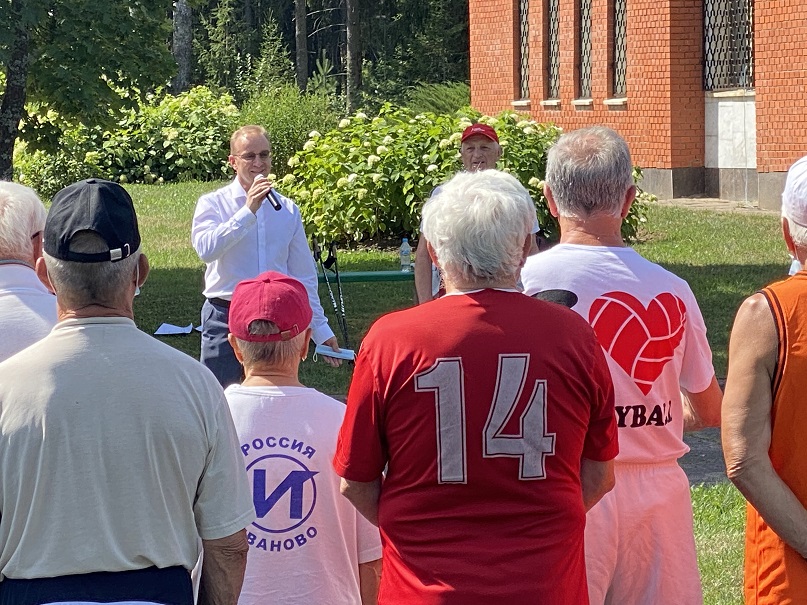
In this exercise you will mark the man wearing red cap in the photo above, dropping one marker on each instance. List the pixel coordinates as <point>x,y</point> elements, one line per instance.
<point>308,544</point>
<point>479,150</point>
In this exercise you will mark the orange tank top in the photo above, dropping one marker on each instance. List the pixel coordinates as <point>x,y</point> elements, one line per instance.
<point>774,572</point>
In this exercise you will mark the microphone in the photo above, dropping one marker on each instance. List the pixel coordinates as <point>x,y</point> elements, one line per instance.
<point>273,197</point>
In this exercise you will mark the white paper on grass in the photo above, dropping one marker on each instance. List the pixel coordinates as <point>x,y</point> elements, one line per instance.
<point>170,329</point>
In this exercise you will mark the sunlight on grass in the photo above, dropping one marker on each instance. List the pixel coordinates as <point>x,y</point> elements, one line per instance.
<point>719,529</point>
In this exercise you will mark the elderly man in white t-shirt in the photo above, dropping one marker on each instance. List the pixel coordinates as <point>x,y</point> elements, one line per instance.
<point>308,545</point>
<point>27,308</point>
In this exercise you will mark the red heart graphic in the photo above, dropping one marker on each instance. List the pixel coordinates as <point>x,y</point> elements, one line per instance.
<point>642,340</point>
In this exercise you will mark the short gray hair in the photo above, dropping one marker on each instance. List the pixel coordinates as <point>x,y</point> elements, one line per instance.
<point>798,233</point>
<point>82,284</point>
<point>477,224</point>
<point>589,171</point>
<point>22,214</point>
<point>278,353</point>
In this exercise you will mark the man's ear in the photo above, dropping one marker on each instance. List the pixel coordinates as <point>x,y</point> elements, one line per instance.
<point>791,247</point>
<point>36,241</point>
<point>550,201</point>
<point>630,196</point>
<point>42,273</point>
<point>234,344</point>
<point>144,267</point>
<point>304,347</point>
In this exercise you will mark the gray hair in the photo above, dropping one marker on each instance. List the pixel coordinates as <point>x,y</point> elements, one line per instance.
<point>81,284</point>
<point>477,224</point>
<point>278,353</point>
<point>22,214</point>
<point>798,233</point>
<point>589,171</point>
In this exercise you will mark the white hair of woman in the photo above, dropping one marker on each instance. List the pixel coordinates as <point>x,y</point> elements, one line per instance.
<point>478,224</point>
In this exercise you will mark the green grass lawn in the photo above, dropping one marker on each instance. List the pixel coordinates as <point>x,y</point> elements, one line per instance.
<point>725,256</point>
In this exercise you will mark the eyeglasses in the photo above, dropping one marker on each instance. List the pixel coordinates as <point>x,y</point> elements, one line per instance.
<point>35,234</point>
<point>250,157</point>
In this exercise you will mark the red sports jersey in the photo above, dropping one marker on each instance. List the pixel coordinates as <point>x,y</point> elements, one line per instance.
<point>481,405</point>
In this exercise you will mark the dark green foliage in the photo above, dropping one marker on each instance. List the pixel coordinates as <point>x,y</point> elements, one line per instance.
<point>289,116</point>
<point>165,139</point>
<point>447,97</point>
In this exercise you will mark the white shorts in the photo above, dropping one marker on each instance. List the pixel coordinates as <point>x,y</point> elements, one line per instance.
<point>640,543</point>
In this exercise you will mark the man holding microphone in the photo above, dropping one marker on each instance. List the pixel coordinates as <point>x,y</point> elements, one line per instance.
<point>240,231</point>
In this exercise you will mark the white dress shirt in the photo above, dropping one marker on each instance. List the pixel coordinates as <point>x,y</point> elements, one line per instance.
<point>237,244</point>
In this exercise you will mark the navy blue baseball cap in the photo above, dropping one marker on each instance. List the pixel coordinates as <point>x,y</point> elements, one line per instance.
<point>96,205</point>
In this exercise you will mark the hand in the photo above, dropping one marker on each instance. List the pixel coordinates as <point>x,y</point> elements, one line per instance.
<point>332,361</point>
<point>257,193</point>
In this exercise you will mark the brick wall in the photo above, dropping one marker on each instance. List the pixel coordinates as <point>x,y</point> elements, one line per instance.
<point>780,82</point>
<point>663,119</point>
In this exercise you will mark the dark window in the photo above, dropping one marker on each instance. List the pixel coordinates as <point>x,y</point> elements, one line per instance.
<point>728,32</point>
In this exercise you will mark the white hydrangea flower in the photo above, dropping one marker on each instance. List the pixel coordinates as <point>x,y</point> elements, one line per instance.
<point>351,177</point>
<point>309,145</point>
<point>342,182</point>
<point>314,134</point>
<point>444,143</point>
<point>303,195</point>
<point>361,194</point>
<point>372,159</point>
<point>455,138</point>
<point>533,182</point>
<point>431,167</point>
<point>361,115</point>
<point>344,123</point>
<point>288,179</point>
<point>366,144</point>
<point>293,161</point>
<point>376,177</point>
<point>378,120</point>
<point>529,130</point>
<point>523,123</point>
<point>388,140</point>
<point>381,150</point>
<point>316,193</point>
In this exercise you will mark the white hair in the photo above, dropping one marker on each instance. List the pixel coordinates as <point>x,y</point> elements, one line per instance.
<point>477,224</point>
<point>81,284</point>
<point>277,354</point>
<point>798,233</point>
<point>589,171</point>
<point>22,214</point>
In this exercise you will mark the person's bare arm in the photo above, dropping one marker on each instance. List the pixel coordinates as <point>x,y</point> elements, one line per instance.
<point>597,479</point>
<point>223,567</point>
<point>369,579</point>
<point>702,409</point>
<point>423,272</point>
<point>746,426</point>
<point>364,496</point>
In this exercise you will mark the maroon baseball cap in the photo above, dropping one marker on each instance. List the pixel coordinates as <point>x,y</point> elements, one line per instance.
<point>483,129</point>
<point>274,297</point>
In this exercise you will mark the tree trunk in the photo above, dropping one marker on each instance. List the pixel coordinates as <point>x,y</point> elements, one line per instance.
<point>182,46</point>
<point>12,107</point>
<point>301,40</point>
<point>353,67</point>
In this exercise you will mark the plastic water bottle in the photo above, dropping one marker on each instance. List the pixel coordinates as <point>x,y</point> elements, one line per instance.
<point>406,256</point>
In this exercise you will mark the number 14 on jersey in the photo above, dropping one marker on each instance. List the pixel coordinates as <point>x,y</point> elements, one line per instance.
<point>532,444</point>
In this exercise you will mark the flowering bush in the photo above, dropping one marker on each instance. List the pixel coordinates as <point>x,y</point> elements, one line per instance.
<point>369,177</point>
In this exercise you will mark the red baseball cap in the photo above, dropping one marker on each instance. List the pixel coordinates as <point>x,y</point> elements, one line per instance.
<point>483,129</point>
<point>274,297</point>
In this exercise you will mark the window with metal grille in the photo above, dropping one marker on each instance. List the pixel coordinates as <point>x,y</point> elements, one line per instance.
<point>620,46</point>
<point>585,50</point>
<point>553,50</point>
<point>728,32</point>
<point>524,63</point>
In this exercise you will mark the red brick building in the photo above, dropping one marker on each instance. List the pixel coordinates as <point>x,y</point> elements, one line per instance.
<point>711,95</point>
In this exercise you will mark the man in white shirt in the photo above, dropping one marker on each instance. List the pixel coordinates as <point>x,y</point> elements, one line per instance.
<point>308,545</point>
<point>240,231</point>
<point>27,309</point>
<point>639,538</point>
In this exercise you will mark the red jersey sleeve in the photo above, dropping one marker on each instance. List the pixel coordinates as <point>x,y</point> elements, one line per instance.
<point>601,439</point>
<point>360,455</point>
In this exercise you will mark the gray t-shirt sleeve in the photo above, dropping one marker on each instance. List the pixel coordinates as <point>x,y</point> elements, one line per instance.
<point>223,503</point>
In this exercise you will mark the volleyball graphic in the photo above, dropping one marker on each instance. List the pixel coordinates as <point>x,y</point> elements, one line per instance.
<point>641,340</point>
